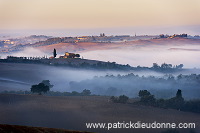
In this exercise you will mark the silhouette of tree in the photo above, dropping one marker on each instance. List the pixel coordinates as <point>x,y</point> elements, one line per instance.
<point>179,66</point>
<point>146,97</point>
<point>77,55</point>
<point>41,87</point>
<point>47,82</point>
<point>155,66</point>
<point>75,93</point>
<point>179,94</point>
<point>114,99</point>
<point>143,93</point>
<point>176,102</point>
<point>123,99</point>
<point>166,66</point>
<point>54,53</point>
<point>120,99</point>
<point>86,92</point>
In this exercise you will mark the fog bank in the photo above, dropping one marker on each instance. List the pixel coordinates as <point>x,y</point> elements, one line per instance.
<point>145,55</point>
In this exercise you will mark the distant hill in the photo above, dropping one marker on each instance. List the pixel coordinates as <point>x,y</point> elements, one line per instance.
<point>72,45</point>
<point>13,43</point>
<point>89,46</point>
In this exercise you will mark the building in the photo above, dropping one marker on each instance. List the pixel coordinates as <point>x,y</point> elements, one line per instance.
<point>177,35</point>
<point>70,55</point>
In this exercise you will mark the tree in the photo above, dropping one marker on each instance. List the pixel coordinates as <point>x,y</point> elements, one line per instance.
<point>41,87</point>
<point>155,66</point>
<point>143,93</point>
<point>120,99</point>
<point>179,94</point>
<point>75,93</point>
<point>176,102</point>
<point>86,92</point>
<point>77,55</point>
<point>123,99</point>
<point>179,66</point>
<point>166,66</point>
<point>171,78</point>
<point>114,99</point>
<point>54,53</point>
<point>180,76</point>
<point>47,82</point>
<point>146,97</point>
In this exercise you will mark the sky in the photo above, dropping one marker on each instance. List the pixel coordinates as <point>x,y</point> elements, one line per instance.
<point>99,14</point>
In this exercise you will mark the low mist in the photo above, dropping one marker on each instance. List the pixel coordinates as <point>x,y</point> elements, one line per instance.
<point>129,85</point>
<point>21,76</point>
<point>144,55</point>
<point>12,75</point>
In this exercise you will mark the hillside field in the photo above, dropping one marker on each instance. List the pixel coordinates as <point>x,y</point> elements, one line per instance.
<point>73,112</point>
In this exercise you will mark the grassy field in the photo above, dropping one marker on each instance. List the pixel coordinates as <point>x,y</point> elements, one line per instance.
<point>73,112</point>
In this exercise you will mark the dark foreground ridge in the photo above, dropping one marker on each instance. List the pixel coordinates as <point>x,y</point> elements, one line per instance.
<point>4,128</point>
<point>73,112</point>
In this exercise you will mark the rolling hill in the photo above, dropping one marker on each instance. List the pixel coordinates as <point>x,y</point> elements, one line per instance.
<point>73,112</point>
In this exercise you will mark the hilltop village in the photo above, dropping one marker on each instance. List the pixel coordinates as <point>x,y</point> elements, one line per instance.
<point>18,44</point>
<point>37,41</point>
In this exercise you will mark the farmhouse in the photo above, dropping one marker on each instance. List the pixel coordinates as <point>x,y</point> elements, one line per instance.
<point>70,55</point>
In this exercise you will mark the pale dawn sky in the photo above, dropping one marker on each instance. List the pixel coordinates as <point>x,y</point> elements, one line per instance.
<point>58,14</point>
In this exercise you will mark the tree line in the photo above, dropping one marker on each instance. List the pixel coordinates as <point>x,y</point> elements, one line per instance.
<point>177,102</point>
